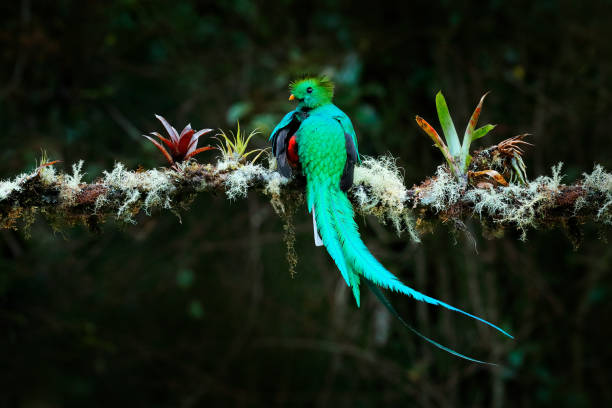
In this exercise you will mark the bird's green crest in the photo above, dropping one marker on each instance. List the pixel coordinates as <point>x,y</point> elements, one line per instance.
<point>312,91</point>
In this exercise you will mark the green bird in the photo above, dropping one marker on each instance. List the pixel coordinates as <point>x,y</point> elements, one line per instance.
<point>317,140</point>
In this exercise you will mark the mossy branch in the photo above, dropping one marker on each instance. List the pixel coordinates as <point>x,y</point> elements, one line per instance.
<point>64,200</point>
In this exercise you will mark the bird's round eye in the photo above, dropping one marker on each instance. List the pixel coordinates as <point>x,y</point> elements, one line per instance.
<point>309,89</point>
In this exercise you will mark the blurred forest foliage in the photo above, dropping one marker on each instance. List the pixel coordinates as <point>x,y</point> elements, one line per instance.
<point>204,312</point>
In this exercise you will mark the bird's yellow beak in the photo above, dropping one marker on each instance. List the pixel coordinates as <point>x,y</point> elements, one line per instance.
<point>292,97</point>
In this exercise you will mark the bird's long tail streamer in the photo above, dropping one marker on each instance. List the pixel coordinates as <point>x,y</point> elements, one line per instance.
<point>361,260</point>
<point>383,299</point>
<point>334,218</point>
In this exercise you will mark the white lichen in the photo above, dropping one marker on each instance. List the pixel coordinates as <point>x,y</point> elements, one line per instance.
<point>272,164</point>
<point>156,187</point>
<point>226,163</point>
<point>515,204</point>
<point>101,200</point>
<point>380,190</point>
<point>242,176</point>
<point>274,182</point>
<point>75,179</point>
<point>238,181</point>
<point>554,181</point>
<point>47,175</point>
<point>70,185</point>
<point>410,223</point>
<point>384,180</point>
<point>9,186</point>
<point>599,181</point>
<point>443,191</point>
<point>124,212</point>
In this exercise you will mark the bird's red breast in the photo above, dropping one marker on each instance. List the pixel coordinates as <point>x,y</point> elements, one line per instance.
<point>292,152</point>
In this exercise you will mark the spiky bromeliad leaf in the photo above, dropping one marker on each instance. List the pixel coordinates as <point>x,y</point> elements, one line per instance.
<point>469,130</point>
<point>450,134</point>
<point>431,132</point>
<point>470,135</point>
<point>235,145</point>
<point>482,131</point>
<point>458,155</point>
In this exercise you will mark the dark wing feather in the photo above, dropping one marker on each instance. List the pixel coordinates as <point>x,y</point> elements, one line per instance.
<point>346,181</point>
<point>279,147</point>
<point>280,141</point>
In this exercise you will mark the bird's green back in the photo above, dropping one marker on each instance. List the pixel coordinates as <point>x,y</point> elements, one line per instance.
<point>322,150</point>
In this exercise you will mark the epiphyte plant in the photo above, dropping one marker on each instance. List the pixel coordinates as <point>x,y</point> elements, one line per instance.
<point>181,146</point>
<point>457,154</point>
<point>234,146</point>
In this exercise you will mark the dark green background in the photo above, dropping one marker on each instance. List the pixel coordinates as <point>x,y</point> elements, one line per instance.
<point>204,312</point>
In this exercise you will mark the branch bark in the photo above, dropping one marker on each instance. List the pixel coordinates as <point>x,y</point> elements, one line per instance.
<point>379,190</point>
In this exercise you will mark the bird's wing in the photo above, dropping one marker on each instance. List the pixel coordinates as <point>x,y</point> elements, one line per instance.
<point>280,138</point>
<point>284,122</point>
<point>347,125</point>
<point>352,157</point>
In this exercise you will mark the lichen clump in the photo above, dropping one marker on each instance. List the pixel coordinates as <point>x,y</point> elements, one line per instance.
<point>9,186</point>
<point>518,205</point>
<point>599,181</point>
<point>71,184</point>
<point>156,186</point>
<point>379,190</point>
<point>443,191</point>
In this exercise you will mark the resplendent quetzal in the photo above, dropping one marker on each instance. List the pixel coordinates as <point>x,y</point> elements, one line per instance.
<point>318,140</point>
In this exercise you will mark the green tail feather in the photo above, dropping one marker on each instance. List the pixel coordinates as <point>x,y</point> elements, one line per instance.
<point>329,232</point>
<point>355,286</point>
<point>391,309</point>
<point>334,214</point>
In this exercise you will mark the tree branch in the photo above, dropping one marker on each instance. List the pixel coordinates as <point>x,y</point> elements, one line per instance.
<point>378,190</point>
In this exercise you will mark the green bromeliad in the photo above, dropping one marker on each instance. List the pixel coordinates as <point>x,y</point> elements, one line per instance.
<point>317,140</point>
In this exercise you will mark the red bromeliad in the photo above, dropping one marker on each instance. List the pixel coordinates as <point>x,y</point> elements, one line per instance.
<point>182,147</point>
